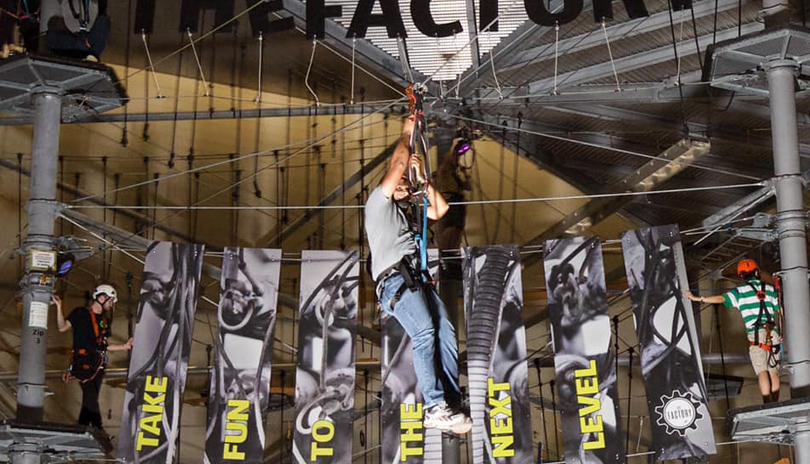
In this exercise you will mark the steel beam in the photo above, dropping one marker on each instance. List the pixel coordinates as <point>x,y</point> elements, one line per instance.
<point>657,121</point>
<point>708,359</point>
<point>620,31</point>
<point>633,62</point>
<point>671,162</point>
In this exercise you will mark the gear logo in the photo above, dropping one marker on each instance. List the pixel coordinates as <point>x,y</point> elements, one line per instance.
<point>678,412</point>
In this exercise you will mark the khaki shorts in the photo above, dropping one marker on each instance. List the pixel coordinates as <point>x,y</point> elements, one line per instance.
<point>761,359</point>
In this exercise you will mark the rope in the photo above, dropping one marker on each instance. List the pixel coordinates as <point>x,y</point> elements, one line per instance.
<point>309,69</point>
<point>258,98</point>
<point>197,59</point>
<point>610,54</point>
<point>596,145</point>
<point>151,65</point>
<point>475,202</point>
<point>680,39</point>
<point>557,53</point>
<point>354,45</point>
<point>495,76</point>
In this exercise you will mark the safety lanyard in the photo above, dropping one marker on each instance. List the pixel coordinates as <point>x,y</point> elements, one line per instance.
<point>763,310</point>
<point>99,337</point>
<point>419,187</point>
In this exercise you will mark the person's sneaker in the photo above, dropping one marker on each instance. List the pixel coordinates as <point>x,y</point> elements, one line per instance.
<point>443,418</point>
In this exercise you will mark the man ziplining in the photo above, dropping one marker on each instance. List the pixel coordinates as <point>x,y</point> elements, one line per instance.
<point>396,214</point>
<point>759,306</point>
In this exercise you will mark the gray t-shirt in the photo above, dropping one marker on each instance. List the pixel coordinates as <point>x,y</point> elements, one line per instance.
<point>389,237</point>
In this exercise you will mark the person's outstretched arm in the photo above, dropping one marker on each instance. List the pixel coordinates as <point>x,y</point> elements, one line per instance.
<point>713,299</point>
<point>399,160</point>
<point>125,347</point>
<point>64,325</point>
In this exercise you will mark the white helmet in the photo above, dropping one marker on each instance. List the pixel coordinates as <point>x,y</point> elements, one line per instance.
<point>106,290</point>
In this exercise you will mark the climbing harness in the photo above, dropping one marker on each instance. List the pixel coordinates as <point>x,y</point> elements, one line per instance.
<point>85,365</point>
<point>773,349</point>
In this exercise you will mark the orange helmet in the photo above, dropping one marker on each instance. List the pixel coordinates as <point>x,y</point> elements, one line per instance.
<point>746,266</point>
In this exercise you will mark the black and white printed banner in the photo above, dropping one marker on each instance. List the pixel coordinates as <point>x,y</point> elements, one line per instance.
<point>588,397</point>
<point>324,381</point>
<point>670,352</point>
<point>403,437</point>
<point>496,356</point>
<point>157,370</point>
<point>240,386</point>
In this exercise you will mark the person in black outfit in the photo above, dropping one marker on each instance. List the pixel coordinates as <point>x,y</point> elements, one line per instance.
<point>80,30</point>
<point>91,327</point>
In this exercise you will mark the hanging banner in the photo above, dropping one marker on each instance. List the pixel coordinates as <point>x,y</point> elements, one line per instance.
<point>150,422</point>
<point>670,352</point>
<point>240,384</point>
<point>588,397</point>
<point>324,381</point>
<point>496,356</point>
<point>403,437</point>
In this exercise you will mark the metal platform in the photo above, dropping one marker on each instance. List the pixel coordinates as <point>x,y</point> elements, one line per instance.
<point>87,88</point>
<point>740,64</point>
<point>770,423</point>
<point>60,442</point>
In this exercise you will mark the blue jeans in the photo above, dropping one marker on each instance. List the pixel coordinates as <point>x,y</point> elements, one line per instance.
<point>420,312</point>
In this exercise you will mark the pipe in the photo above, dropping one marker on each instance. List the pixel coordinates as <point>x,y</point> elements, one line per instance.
<point>546,361</point>
<point>791,223</point>
<point>36,284</point>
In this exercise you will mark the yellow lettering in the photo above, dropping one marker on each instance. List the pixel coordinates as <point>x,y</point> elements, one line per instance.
<point>501,446</point>
<point>323,437</point>
<point>594,445</point>
<point>500,426</point>
<point>494,387</point>
<point>410,431</point>
<point>318,452</point>
<point>587,386</point>
<point>405,451</point>
<point>232,453</point>
<point>594,405</point>
<point>238,413</point>
<point>589,372</point>
<point>153,412</point>
<point>238,437</point>
<point>151,423</point>
<point>155,384</point>
<point>143,441</point>
<point>501,406</point>
<point>590,424</point>
<point>410,411</point>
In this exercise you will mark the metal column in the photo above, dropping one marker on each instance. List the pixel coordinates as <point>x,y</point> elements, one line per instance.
<point>791,225</point>
<point>37,284</point>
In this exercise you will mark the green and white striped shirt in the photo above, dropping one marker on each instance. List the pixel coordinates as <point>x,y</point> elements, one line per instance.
<point>744,298</point>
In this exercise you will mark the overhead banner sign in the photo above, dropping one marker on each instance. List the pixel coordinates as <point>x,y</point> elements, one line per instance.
<point>586,376</point>
<point>240,385</point>
<point>389,16</point>
<point>403,437</point>
<point>324,381</point>
<point>496,356</point>
<point>150,422</point>
<point>670,350</point>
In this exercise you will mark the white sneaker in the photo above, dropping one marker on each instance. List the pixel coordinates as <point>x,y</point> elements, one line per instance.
<point>443,418</point>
